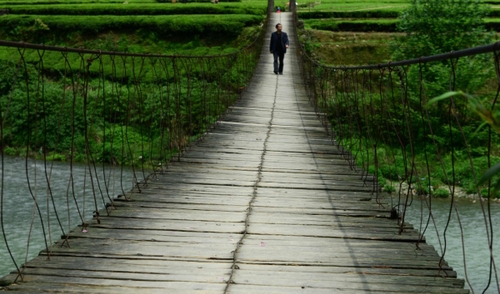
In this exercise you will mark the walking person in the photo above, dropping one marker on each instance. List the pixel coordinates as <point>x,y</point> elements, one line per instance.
<point>278,46</point>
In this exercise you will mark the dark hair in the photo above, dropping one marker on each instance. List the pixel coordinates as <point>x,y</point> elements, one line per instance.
<point>277,25</point>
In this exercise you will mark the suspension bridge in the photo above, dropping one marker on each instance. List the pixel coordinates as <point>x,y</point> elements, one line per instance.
<point>264,202</point>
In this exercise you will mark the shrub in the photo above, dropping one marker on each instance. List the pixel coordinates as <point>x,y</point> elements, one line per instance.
<point>138,9</point>
<point>349,14</point>
<point>439,26</point>
<point>383,25</point>
<point>441,193</point>
<point>13,26</point>
<point>389,188</point>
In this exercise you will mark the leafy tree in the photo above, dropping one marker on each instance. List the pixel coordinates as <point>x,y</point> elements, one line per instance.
<point>440,26</point>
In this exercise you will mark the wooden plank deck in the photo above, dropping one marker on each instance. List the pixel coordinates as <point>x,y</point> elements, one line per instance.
<point>263,204</point>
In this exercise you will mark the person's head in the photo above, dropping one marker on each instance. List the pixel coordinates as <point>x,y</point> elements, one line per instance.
<point>279,27</point>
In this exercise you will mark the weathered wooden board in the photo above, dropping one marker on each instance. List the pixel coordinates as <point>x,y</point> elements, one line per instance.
<point>264,203</point>
<point>63,284</point>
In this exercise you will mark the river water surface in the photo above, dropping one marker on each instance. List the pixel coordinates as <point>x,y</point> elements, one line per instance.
<point>477,254</point>
<point>21,219</point>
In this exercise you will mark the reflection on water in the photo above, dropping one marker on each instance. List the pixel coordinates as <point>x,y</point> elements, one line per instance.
<point>76,191</point>
<point>477,255</point>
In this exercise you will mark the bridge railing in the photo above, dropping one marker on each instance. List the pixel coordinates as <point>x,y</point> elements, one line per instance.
<point>385,121</point>
<point>116,118</point>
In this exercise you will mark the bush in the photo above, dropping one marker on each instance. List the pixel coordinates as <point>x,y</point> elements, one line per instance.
<point>440,26</point>
<point>138,9</point>
<point>389,188</point>
<point>441,193</point>
<point>230,26</point>
<point>384,25</point>
<point>349,14</point>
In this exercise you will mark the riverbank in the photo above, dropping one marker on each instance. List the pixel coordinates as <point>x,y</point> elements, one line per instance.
<point>458,192</point>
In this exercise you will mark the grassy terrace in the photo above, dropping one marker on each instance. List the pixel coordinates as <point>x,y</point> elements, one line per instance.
<point>359,31</point>
<point>134,26</point>
<point>137,27</point>
<point>367,16</point>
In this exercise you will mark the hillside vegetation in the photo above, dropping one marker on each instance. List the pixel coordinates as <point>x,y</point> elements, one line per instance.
<point>117,109</point>
<point>368,16</point>
<point>357,32</point>
<point>134,26</point>
<point>386,112</point>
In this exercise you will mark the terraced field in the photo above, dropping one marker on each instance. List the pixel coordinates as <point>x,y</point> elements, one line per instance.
<point>367,16</point>
<point>360,31</point>
<point>134,26</point>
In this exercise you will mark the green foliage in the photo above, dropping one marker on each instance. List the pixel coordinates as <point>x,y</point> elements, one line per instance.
<point>139,117</point>
<point>123,110</point>
<point>13,26</point>
<point>490,117</point>
<point>438,26</point>
<point>56,157</point>
<point>45,2</point>
<point>392,172</point>
<point>349,14</point>
<point>351,6</point>
<point>389,188</point>
<point>411,140</point>
<point>380,25</point>
<point>254,8</point>
<point>441,193</point>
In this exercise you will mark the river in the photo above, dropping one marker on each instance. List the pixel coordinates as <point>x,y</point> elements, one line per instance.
<point>475,238</point>
<point>20,215</point>
<point>20,211</point>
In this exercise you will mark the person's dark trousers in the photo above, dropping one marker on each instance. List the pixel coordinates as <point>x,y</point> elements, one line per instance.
<point>278,56</point>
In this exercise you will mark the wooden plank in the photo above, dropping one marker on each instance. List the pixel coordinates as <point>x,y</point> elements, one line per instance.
<point>170,225</point>
<point>35,284</point>
<point>353,288</point>
<point>190,237</point>
<point>403,272</point>
<point>346,281</point>
<point>254,289</point>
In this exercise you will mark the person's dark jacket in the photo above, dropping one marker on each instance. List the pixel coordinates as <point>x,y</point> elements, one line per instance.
<point>274,41</point>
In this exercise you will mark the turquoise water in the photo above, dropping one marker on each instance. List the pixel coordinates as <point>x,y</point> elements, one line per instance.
<point>21,217</point>
<point>475,244</point>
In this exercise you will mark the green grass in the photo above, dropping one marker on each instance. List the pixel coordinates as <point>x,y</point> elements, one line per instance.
<point>61,30</point>
<point>150,25</point>
<point>140,27</point>
<point>255,8</point>
<point>45,2</point>
<point>371,24</point>
<point>366,15</point>
<point>169,24</point>
<point>357,25</point>
<point>136,27</point>
<point>356,7</point>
